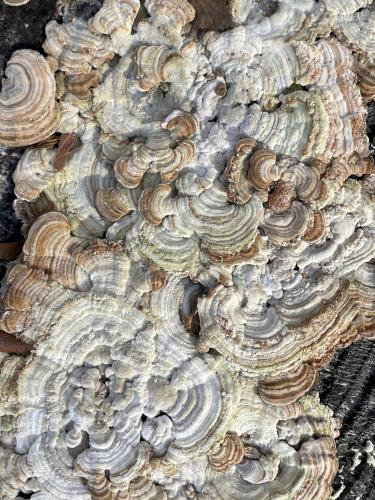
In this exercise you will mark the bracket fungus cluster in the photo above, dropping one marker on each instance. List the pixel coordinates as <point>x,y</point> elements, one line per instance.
<point>200,239</point>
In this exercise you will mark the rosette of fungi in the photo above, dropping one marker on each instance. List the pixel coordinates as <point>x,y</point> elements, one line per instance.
<point>308,299</point>
<point>99,404</point>
<point>28,110</point>
<point>114,399</point>
<point>279,319</point>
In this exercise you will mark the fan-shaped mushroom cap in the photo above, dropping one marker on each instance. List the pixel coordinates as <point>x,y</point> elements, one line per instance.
<point>28,110</point>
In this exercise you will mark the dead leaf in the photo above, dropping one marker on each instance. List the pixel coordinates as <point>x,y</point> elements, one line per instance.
<point>68,144</point>
<point>12,345</point>
<point>9,251</point>
<point>211,15</point>
<point>48,143</point>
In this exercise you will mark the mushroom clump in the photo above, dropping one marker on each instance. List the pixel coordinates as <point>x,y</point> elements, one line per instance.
<point>198,209</point>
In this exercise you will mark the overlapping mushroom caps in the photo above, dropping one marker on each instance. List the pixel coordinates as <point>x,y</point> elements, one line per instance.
<point>230,177</point>
<point>115,400</point>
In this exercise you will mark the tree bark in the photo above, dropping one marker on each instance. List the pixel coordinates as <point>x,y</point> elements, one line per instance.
<point>347,386</point>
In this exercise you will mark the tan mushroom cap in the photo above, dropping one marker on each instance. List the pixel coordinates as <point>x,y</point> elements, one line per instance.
<point>28,110</point>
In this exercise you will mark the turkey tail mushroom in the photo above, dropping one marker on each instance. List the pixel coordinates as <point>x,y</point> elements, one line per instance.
<point>28,110</point>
